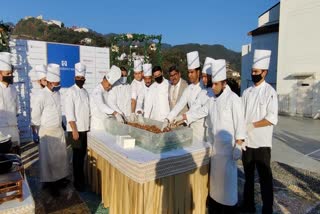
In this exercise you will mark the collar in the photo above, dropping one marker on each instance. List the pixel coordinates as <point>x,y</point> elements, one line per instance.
<point>3,85</point>
<point>260,86</point>
<point>48,90</point>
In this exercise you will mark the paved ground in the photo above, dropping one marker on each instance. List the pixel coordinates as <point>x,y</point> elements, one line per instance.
<point>295,168</point>
<point>297,143</point>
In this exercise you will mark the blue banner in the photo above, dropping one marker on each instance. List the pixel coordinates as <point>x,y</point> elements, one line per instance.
<point>66,56</point>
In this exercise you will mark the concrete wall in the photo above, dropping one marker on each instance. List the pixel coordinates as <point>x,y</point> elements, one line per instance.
<point>298,79</point>
<point>266,41</point>
<point>270,16</point>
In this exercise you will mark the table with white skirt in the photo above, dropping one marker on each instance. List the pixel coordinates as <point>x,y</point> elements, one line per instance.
<point>139,181</point>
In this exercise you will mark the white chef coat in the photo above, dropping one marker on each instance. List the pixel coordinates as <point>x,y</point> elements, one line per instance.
<point>203,132</point>
<point>136,87</point>
<point>77,108</point>
<point>189,97</point>
<point>8,112</point>
<point>260,102</point>
<point>161,107</point>
<point>47,114</point>
<point>145,101</point>
<point>100,110</point>
<point>225,116</point>
<point>119,98</point>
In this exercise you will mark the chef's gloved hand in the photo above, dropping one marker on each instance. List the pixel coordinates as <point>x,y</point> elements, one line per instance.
<point>119,117</point>
<point>250,127</point>
<point>133,117</point>
<point>165,124</point>
<point>140,119</point>
<point>237,152</point>
<point>35,137</point>
<point>178,119</point>
<point>244,146</point>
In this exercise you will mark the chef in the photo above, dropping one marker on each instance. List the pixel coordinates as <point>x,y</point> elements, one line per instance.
<point>145,97</point>
<point>119,97</point>
<point>224,113</point>
<point>8,102</point>
<point>100,109</point>
<point>160,89</point>
<point>77,110</point>
<point>189,97</point>
<point>261,114</point>
<point>38,80</point>
<point>136,86</point>
<point>47,114</point>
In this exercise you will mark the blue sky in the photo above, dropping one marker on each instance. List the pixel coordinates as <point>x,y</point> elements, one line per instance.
<point>223,22</point>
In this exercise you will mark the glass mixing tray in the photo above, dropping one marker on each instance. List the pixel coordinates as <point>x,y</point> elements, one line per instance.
<point>157,143</point>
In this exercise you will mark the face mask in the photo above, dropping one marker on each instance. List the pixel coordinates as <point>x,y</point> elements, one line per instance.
<point>80,83</point>
<point>256,78</point>
<point>123,80</point>
<point>56,88</point>
<point>7,79</point>
<point>159,79</point>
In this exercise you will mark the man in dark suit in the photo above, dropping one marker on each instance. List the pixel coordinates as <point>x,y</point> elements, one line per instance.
<point>176,88</point>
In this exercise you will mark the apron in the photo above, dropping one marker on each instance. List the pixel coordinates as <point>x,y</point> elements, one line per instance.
<point>223,179</point>
<point>13,132</point>
<point>198,130</point>
<point>52,155</point>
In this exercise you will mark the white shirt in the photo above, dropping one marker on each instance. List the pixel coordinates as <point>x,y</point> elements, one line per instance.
<point>188,97</point>
<point>77,108</point>
<point>174,91</point>
<point>161,107</point>
<point>260,102</point>
<point>119,98</point>
<point>8,106</point>
<point>136,87</point>
<point>46,112</point>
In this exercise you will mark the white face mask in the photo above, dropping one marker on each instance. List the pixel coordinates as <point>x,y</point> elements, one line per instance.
<point>123,80</point>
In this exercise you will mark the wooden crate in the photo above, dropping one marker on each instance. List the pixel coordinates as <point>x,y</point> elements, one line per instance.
<point>11,186</point>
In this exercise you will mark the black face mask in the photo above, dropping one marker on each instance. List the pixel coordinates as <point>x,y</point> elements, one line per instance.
<point>256,78</point>
<point>159,79</point>
<point>7,79</point>
<point>80,83</point>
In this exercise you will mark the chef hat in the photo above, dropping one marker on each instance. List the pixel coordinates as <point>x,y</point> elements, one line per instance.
<point>53,74</point>
<point>219,70</point>
<point>80,69</point>
<point>207,66</point>
<point>33,75</point>
<point>147,70</point>
<point>5,61</point>
<point>193,60</point>
<point>261,59</point>
<point>113,75</point>
<point>137,65</point>
<point>41,71</point>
